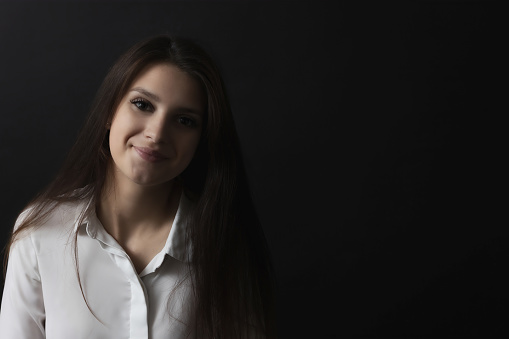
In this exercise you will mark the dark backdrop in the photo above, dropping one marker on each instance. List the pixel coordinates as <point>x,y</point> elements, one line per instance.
<point>366,128</point>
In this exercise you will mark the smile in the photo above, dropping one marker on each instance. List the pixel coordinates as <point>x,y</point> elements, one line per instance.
<point>149,155</point>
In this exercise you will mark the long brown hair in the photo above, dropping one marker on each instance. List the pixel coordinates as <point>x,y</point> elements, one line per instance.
<point>232,274</point>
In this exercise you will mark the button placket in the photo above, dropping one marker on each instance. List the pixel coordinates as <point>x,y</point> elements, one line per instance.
<point>139,299</point>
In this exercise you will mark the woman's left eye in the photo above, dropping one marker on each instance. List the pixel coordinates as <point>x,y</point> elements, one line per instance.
<point>187,121</point>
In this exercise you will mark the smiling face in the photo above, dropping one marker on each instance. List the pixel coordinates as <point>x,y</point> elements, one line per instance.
<point>157,126</point>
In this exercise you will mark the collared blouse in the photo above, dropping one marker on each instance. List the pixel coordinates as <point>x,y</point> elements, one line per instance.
<point>42,296</point>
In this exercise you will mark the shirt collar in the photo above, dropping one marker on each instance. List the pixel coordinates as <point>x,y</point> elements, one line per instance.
<point>176,244</point>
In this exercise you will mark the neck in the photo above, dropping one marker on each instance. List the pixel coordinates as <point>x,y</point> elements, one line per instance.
<point>127,209</point>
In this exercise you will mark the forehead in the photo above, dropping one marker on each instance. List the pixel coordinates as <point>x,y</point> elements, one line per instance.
<point>170,85</point>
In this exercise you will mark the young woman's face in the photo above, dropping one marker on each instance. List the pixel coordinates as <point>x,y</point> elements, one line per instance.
<point>157,126</point>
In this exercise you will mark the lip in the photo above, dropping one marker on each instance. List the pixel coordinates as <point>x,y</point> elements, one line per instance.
<point>149,154</point>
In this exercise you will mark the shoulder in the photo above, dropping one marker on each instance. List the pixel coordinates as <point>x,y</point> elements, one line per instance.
<point>53,223</point>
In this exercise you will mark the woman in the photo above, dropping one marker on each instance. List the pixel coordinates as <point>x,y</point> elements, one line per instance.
<point>148,230</point>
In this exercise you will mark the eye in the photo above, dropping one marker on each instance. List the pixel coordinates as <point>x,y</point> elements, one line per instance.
<point>188,122</point>
<point>142,104</point>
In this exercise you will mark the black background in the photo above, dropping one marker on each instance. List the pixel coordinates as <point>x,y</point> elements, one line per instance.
<point>367,128</point>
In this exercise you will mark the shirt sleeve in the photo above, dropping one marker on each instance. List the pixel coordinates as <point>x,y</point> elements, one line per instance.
<point>22,314</point>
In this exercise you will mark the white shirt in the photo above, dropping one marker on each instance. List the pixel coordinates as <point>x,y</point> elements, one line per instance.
<point>42,297</point>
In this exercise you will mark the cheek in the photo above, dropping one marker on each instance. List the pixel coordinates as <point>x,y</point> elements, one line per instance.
<point>121,128</point>
<point>118,136</point>
<point>114,138</point>
<point>115,148</point>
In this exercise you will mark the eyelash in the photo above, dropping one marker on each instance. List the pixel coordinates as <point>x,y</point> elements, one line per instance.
<point>189,122</point>
<point>147,108</point>
<point>185,121</point>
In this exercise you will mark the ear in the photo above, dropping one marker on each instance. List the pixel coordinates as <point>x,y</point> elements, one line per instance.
<point>108,125</point>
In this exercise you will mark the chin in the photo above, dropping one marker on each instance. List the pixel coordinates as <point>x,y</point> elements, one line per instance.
<point>147,178</point>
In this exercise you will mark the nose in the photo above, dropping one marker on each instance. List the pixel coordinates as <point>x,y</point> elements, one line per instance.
<point>155,129</point>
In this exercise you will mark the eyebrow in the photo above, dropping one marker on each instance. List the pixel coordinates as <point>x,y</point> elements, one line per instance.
<point>147,93</point>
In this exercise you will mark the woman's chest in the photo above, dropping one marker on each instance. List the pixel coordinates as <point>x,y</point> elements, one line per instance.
<point>113,301</point>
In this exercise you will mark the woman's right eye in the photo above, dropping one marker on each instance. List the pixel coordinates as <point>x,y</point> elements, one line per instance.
<point>142,105</point>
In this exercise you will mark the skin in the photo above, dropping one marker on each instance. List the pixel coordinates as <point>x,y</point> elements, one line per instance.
<point>153,137</point>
